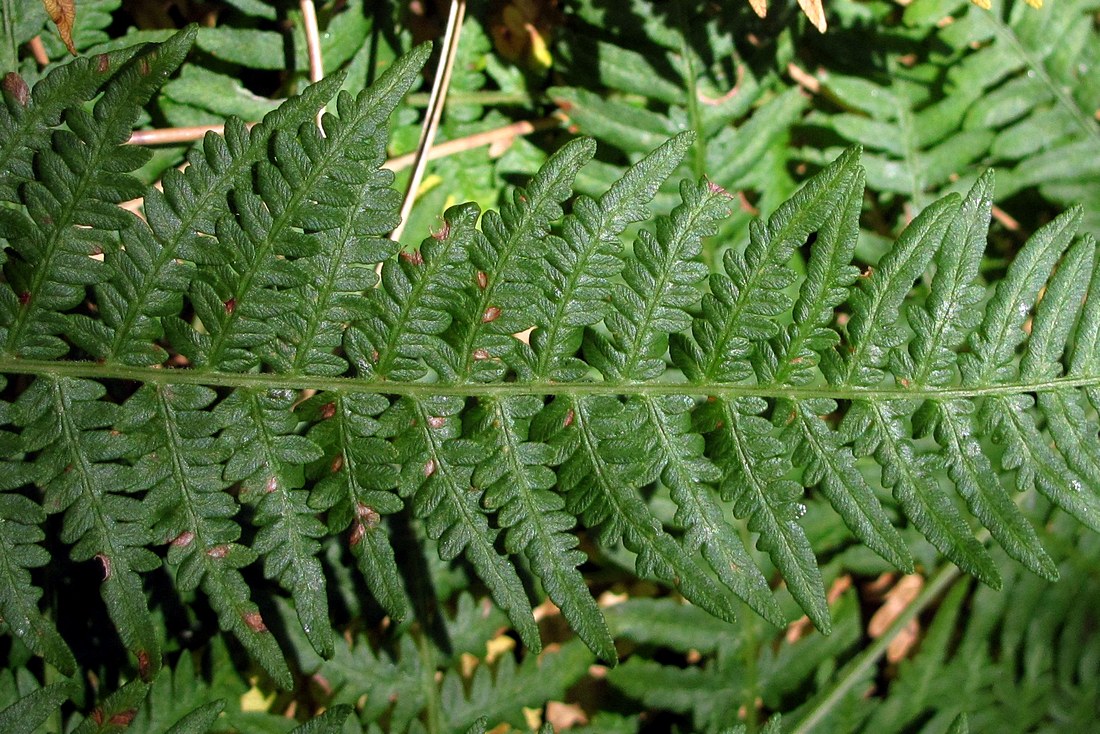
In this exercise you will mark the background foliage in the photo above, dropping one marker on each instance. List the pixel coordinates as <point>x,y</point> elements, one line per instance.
<point>935,91</point>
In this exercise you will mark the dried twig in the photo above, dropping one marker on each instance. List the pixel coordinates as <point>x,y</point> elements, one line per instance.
<point>489,137</point>
<point>434,112</point>
<point>313,46</point>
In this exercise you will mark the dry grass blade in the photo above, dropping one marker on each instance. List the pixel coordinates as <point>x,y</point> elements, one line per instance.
<point>434,111</point>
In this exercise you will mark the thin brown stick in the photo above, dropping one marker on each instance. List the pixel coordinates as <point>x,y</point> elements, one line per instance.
<point>1005,219</point>
<point>313,46</point>
<point>168,135</point>
<point>477,140</point>
<point>38,50</point>
<point>434,113</point>
<point>803,78</point>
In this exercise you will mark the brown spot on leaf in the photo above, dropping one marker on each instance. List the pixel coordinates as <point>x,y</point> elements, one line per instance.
<point>24,298</point>
<point>337,463</point>
<point>437,421</point>
<point>102,63</point>
<point>271,485</point>
<point>568,418</point>
<point>481,354</point>
<point>482,280</point>
<point>218,551</point>
<point>123,718</point>
<point>491,314</point>
<point>327,411</point>
<point>231,306</point>
<point>368,515</point>
<point>413,257</point>
<point>14,85</point>
<point>443,233</point>
<point>144,666</point>
<point>254,621</point>
<point>184,539</point>
<point>429,468</point>
<point>106,561</point>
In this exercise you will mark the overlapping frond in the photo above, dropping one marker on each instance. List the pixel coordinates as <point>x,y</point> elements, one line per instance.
<point>534,391</point>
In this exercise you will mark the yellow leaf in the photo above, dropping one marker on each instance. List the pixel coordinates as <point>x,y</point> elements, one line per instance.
<point>814,11</point>
<point>760,7</point>
<point>63,14</point>
<point>254,699</point>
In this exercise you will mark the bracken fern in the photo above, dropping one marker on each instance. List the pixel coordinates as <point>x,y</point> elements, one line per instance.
<point>226,380</point>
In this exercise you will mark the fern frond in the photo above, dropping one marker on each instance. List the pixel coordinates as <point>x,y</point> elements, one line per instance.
<point>354,484</point>
<point>735,393</point>
<point>437,470</point>
<point>599,470</point>
<point>181,467</point>
<point>74,200</point>
<point>678,459</point>
<point>411,308</point>
<point>266,460</point>
<point>508,263</point>
<point>28,118</point>
<point>149,273</point>
<point>518,487</point>
<point>301,202</point>
<point>581,263</point>
<point>1008,417</point>
<point>19,552</point>
<point>68,424</point>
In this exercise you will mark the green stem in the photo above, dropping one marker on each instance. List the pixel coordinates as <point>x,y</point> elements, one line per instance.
<point>856,670</point>
<point>432,709</point>
<point>699,147</point>
<point>268,381</point>
<point>9,57</point>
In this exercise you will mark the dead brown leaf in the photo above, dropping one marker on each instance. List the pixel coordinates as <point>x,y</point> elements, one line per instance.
<point>815,12</point>
<point>63,14</point>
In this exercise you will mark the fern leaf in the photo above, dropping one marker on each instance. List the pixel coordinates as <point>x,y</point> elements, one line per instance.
<point>653,300</point>
<point>1084,357</point>
<point>74,199</point>
<point>754,468</point>
<point>409,311</point>
<point>950,313</point>
<point>993,347</point>
<point>501,697</point>
<point>743,302</point>
<point>26,715</point>
<point>831,467</point>
<point>1055,317</point>
<point>508,261</point>
<point>355,484</point>
<point>437,470</point>
<point>678,459</point>
<point>599,485</point>
<point>192,512</point>
<point>68,424</point>
<point>147,277</point>
<point>266,460</point>
<point>20,551</point>
<point>581,263</point>
<point>300,199</point>
<point>28,117</point>
<point>518,486</point>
